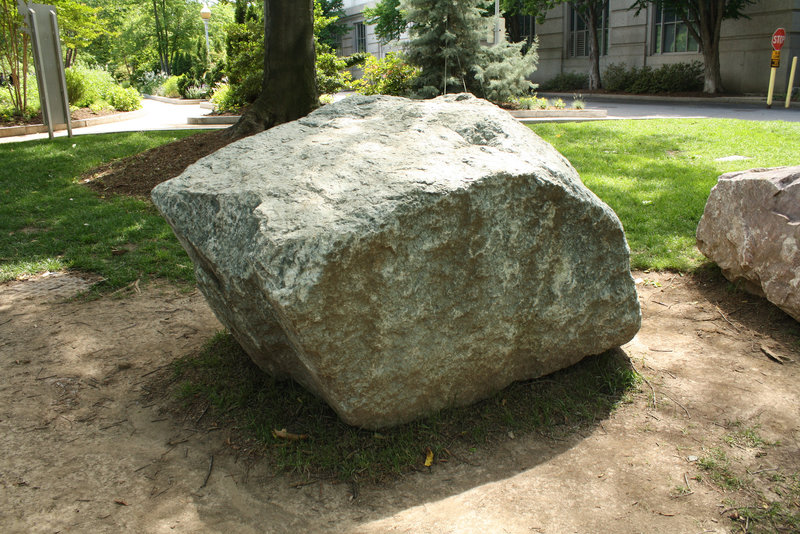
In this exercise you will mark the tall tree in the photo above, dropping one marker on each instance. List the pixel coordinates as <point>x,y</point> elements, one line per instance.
<point>79,25</point>
<point>703,19</point>
<point>589,11</point>
<point>14,44</point>
<point>288,88</point>
<point>388,18</point>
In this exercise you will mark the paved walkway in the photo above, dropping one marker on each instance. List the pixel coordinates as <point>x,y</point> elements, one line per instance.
<point>157,116</point>
<point>164,116</point>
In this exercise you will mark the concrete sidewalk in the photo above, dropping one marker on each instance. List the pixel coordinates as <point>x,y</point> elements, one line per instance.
<point>155,116</point>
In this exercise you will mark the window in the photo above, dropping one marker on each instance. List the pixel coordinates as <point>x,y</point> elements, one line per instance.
<point>579,34</point>
<point>670,34</point>
<point>520,28</point>
<point>361,37</point>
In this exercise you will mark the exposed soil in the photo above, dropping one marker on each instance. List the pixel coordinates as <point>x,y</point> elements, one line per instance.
<point>90,444</point>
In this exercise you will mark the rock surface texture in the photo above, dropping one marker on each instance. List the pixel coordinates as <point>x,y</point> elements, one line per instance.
<point>396,257</point>
<point>751,229</point>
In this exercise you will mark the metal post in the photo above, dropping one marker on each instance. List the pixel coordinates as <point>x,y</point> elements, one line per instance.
<point>789,87</point>
<point>62,79</point>
<point>44,97</point>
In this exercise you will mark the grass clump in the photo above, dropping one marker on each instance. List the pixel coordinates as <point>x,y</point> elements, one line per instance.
<point>657,174</point>
<point>49,222</point>
<point>223,380</point>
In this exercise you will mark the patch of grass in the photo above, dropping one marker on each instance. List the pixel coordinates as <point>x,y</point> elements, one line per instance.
<point>718,467</point>
<point>744,436</point>
<point>49,222</point>
<point>238,394</point>
<point>778,514</point>
<point>657,174</point>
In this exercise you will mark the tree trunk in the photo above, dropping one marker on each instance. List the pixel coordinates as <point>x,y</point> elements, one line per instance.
<point>289,86</point>
<point>594,51</point>
<point>707,28</point>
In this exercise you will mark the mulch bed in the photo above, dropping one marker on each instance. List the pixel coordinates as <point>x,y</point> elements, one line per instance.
<point>137,175</point>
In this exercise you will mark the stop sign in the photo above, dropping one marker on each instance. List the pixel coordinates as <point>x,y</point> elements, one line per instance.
<point>778,38</point>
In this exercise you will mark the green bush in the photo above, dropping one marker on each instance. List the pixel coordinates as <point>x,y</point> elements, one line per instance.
<point>124,99</point>
<point>567,81</point>
<point>96,89</point>
<point>223,98</point>
<point>503,70</point>
<point>331,74</point>
<point>618,78</point>
<point>170,87</point>
<point>76,85</point>
<point>389,76</point>
<point>672,78</point>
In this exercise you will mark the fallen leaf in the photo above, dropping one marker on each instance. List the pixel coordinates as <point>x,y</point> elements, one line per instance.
<point>429,458</point>
<point>120,502</point>
<point>283,434</point>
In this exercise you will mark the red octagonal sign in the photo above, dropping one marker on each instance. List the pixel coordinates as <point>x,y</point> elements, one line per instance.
<point>778,38</point>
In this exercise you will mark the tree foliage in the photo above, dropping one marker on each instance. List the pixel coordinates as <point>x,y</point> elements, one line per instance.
<point>14,58</point>
<point>703,19</point>
<point>388,18</point>
<point>446,44</point>
<point>590,12</point>
<point>79,25</point>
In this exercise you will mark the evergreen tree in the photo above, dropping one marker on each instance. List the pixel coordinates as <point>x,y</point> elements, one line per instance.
<point>445,43</point>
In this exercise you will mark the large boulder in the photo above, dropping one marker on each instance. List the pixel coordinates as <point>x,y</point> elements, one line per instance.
<point>396,257</point>
<point>751,229</point>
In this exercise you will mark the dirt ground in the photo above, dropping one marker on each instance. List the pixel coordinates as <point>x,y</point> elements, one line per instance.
<point>87,445</point>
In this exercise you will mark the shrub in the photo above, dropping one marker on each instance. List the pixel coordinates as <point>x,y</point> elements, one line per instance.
<point>100,105</point>
<point>325,99</point>
<point>567,81</point>
<point>389,76</point>
<point>76,85</point>
<point>617,77</point>
<point>357,59</point>
<point>331,74</point>
<point>149,82</point>
<point>222,98</point>
<point>558,103</point>
<point>532,102</point>
<point>170,88</point>
<point>123,99</point>
<point>503,71</point>
<point>672,78</point>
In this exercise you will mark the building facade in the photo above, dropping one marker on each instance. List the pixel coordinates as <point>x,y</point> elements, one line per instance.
<point>653,37</point>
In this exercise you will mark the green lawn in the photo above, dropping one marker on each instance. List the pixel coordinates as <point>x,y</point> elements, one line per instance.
<point>657,174</point>
<point>49,222</point>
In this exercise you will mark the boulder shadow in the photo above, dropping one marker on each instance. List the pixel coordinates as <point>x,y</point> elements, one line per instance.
<point>302,439</point>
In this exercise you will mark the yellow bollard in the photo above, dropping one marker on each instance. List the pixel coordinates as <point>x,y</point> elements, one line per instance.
<point>791,82</point>
<point>771,86</point>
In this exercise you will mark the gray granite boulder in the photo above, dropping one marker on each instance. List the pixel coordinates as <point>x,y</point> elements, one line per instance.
<point>751,229</point>
<point>397,257</point>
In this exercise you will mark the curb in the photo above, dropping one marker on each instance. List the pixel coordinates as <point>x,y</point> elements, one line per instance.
<point>213,119</point>
<point>176,101</point>
<point>14,131</point>
<point>571,114</point>
<point>711,100</point>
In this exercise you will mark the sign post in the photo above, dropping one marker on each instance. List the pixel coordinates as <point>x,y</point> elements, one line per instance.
<point>778,39</point>
<point>42,26</point>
